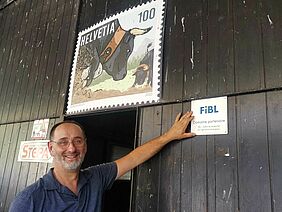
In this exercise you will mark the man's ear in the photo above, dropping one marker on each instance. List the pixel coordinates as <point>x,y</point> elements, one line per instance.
<point>50,148</point>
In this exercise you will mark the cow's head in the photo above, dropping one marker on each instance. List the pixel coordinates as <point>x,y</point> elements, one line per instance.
<point>115,56</point>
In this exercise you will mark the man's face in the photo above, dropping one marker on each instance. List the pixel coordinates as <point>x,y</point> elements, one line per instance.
<point>68,146</point>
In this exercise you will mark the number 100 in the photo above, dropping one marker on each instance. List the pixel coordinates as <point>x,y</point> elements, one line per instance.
<point>146,14</point>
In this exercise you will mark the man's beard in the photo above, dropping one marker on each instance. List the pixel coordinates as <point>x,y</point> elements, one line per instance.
<point>69,165</point>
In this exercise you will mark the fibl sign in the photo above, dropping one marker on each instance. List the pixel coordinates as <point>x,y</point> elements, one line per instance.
<point>210,116</point>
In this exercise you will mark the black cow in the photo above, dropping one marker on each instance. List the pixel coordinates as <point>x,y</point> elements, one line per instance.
<point>111,53</point>
<point>145,69</point>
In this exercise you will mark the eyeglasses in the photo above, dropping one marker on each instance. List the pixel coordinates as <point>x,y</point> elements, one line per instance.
<point>65,143</point>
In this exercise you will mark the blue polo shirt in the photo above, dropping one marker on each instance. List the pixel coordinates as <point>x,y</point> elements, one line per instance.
<point>47,194</point>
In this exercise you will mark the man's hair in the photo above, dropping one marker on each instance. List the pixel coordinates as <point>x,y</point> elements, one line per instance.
<point>53,129</point>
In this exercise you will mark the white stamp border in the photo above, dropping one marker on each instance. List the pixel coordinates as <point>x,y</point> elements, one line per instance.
<point>126,100</point>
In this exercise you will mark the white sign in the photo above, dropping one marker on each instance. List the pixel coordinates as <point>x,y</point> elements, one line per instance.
<point>210,116</point>
<point>40,129</point>
<point>35,151</point>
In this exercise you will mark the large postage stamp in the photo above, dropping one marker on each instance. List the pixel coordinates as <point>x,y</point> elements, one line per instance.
<point>117,61</point>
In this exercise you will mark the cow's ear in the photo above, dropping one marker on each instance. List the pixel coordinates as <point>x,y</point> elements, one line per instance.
<point>138,31</point>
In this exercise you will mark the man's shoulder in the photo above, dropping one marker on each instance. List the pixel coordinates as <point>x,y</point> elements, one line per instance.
<point>32,190</point>
<point>25,197</point>
<point>100,167</point>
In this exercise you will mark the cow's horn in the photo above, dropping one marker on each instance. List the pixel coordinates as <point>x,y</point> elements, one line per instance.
<point>138,31</point>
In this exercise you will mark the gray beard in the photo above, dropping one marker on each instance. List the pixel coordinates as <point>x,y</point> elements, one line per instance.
<point>72,166</point>
<point>69,166</point>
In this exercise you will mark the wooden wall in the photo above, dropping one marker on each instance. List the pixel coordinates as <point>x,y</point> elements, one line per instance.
<point>36,43</point>
<point>235,172</point>
<point>211,48</point>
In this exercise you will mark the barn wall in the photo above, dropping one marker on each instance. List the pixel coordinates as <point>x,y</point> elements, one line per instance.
<point>234,172</point>
<point>211,48</point>
<point>36,41</point>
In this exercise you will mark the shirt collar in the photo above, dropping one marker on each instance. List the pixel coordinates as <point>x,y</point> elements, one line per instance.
<point>50,182</point>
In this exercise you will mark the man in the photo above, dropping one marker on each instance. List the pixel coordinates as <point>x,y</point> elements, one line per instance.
<point>67,188</point>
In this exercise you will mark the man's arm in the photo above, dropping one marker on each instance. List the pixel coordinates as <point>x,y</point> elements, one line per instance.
<point>152,147</point>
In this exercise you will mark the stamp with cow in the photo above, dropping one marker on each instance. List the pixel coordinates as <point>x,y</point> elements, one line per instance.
<point>117,61</point>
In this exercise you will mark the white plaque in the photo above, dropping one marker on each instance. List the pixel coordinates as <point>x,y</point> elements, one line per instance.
<point>35,151</point>
<point>210,116</point>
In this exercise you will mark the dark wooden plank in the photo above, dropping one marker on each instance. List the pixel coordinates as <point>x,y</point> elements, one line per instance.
<point>271,22</point>
<point>3,17</point>
<point>11,149</point>
<point>27,89</point>
<point>59,70</point>
<point>20,65</point>
<point>174,45</point>
<point>8,53</point>
<point>5,153</point>
<point>89,7</point>
<point>68,59</point>
<point>248,46</point>
<point>274,112</point>
<point>51,64</point>
<point>147,174</point>
<point>220,76</point>
<point>2,140</point>
<point>195,60</point>
<point>170,168</point>
<point>222,165</point>
<point>44,67</point>
<point>24,169</point>
<point>5,3</point>
<point>16,169</point>
<point>186,169</point>
<point>199,174</point>
<point>253,169</point>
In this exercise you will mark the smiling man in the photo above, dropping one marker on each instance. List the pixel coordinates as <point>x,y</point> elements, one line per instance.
<point>67,188</point>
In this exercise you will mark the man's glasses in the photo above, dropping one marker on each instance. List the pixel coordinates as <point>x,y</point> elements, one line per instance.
<point>64,143</point>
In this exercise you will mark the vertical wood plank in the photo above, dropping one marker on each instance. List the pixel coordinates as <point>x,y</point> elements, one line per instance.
<point>271,22</point>
<point>274,114</point>
<point>27,90</point>
<point>220,76</point>
<point>21,61</point>
<point>63,90</point>
<point>52,56</point>
<point>148,173</point>
<point>16,167</point>
<point>7,169</point>
<point>5,163</point>
<point>195,60</point>
<point>59,69</point>
<point>174,51</point>
<point>4,152</point>
<point>8,54</point>
<point>24,171</point>
<point>170,169</point>
<point>248,46</point>
<point>199,174</point>
<point>253,158</point>
<point>44,70</point>
<point>225,190</point>
<point>186,169</point>
<point>5,26</point>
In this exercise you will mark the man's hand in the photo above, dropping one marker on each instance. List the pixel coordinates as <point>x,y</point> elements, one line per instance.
<point>178,129</point>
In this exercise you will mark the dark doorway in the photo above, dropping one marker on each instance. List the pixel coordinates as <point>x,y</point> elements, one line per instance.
<point>110,135</point>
